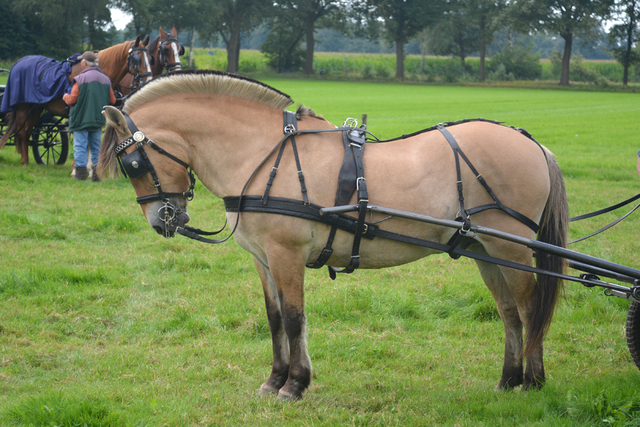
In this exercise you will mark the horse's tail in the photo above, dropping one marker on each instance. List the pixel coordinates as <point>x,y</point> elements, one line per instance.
<point>108,163</point>
<point>554,227</point>
<point>10,120</point>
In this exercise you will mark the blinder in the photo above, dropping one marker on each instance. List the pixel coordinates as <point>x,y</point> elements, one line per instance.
<point>134,165</point>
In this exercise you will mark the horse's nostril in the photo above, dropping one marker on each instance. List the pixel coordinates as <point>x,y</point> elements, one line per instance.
<point>158,229</point>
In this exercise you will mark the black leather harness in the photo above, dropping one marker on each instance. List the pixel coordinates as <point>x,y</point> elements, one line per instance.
<point>351,179</point>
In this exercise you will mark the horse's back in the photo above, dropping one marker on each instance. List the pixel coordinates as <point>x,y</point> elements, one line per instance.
<point>419,174</point>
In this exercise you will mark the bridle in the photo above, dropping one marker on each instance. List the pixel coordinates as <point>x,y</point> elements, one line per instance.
<point>137,164</point>
<point>133,62</point>
<point>164,44</point>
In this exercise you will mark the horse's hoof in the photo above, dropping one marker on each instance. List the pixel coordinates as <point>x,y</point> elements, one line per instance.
<point>286,396</point>
<point>266,390</point>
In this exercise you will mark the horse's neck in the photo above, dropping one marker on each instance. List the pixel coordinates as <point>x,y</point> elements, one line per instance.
<point>154,49</point>
<point>113,61</point>
<point>227,151</point>
<point>75,70</point>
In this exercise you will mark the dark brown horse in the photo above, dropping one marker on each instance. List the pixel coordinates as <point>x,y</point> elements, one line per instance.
<point>166,51</point>
<point>114,61</point>
<point>226,129</point>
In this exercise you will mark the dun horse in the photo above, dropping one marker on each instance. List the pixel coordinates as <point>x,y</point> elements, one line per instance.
<point>116,61</point>
<point>229,131</point>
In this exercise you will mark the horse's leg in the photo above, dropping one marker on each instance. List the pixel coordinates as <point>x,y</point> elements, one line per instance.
<point>512,368</point>
<point>523,285</point>
<point>515,289</point>
<point>286,266</point>
<point>280,343</point>
<point>27,116</point>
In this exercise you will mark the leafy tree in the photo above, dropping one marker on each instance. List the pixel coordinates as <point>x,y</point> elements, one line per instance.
<point>235,17</point>
<point>567,18</point>
<point>97,17</point>
<point>183,14</point>
<point>625,35</point>
<point>140,12</point>
<point>403,20</point>
<point>282,45</point>
<point>15,38</point>
<point>457,33</point>
<point>489,18</point>
<point>308,15</point>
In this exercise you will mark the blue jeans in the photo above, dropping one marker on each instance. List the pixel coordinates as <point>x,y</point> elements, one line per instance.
<point>83,139</point>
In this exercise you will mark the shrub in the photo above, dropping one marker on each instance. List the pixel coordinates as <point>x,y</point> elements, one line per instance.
<point>519,61</point>
<point>501,75</point>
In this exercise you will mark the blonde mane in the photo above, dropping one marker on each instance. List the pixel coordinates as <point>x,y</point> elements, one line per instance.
<point>213,82</point>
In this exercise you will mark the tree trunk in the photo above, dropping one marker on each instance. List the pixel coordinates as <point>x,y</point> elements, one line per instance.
<point>566,58</point>
<point>309,29</point>
<point>627,56</point>
<point>193,42</point>
<point>483,48</point>
<point>399,60</point>
<point>483,52</point>
<point>233,51</point>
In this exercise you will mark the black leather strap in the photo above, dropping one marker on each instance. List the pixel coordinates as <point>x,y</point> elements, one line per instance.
<point>466,213</point>
<point>346,187</point>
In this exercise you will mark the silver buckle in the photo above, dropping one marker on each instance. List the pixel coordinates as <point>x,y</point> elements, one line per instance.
<point>138,136</point>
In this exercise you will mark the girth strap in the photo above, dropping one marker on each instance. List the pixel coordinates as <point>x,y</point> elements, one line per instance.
<point>350,179</point>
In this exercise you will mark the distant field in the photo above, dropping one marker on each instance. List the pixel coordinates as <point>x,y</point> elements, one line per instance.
<point>104,323</point>
<point>585,74</point>
<point>381,67</point>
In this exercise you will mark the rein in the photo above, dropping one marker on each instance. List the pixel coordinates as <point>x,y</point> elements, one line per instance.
<point>604,211</point>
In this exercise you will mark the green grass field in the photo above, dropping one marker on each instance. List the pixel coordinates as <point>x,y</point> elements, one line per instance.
<point>104,323</point>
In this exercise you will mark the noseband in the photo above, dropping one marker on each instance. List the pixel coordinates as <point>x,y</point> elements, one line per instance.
<point>137,164</point>
<point>133,62</point>
<point>164,44</point>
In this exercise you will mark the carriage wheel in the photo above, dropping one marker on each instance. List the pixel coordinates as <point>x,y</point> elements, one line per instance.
<point>633,332</point>
<point>50,143</point>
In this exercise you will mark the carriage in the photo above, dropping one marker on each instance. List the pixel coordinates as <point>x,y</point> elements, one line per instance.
<point>49,141</point>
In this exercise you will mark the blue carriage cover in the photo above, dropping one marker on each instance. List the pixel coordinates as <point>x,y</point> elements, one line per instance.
<point>37,79</point>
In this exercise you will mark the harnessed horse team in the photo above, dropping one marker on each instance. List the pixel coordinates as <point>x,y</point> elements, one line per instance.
<point>128,65</point>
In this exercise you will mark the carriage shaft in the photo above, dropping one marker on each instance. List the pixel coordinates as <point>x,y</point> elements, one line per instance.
<point>588,260</point>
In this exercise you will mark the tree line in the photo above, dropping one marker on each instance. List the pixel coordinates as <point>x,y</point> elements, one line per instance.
<point>57,28</point>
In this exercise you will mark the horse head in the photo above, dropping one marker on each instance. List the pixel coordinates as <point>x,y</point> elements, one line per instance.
<point>140,60</point>
<point>161,179</point>
<point>170,50</point>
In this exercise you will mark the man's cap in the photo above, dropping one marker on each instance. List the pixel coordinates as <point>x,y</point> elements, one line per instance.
<point>89,56</point>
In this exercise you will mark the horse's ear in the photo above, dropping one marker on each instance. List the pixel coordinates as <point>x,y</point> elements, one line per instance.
<point>163,33</point>
<point>174,32</point>
<point>146,41</point>
<point>116,119</point>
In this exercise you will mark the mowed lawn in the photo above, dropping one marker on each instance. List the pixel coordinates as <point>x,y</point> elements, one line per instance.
<point>105,323</point>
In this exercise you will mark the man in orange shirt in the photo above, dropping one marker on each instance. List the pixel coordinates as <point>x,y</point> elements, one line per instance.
<point>90,93</point>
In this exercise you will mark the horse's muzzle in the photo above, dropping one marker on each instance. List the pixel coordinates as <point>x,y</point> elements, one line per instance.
<point>168,218</point>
